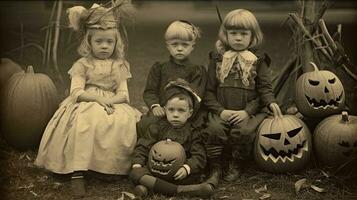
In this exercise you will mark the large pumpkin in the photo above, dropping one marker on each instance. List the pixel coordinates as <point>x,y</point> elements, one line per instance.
<point>7,69</point>
<point>29,102</point>
<point>319,93</point>
<point>283,143</point>
<point>165,158</point>
<point>335,139</point>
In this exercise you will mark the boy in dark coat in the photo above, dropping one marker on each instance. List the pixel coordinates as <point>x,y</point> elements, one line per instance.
<point>180,102</point>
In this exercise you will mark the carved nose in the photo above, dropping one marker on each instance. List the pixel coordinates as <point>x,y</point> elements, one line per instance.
<point>326,90</point>
<point>286,142</point>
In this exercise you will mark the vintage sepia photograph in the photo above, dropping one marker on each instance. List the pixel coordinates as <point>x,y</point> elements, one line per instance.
<point>178,99</point>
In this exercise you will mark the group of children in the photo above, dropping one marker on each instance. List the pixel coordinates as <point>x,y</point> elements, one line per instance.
<point>96,129</point>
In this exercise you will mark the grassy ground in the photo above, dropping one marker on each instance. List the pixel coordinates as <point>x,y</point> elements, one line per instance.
<point>20,179</point>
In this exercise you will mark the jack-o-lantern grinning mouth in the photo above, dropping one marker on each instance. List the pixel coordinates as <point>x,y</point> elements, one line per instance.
<point>275,155</point>
<point>160,166</point>
<point>334,103</point>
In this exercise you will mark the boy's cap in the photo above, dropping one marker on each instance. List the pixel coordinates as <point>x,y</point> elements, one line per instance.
<point>180,86</point>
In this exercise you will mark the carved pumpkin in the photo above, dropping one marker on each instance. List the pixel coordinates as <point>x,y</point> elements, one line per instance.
<point>319,93</point>
<point>335,139</point>
<point>165,158</point>
<point>29,102</point>
<point>283,143</point>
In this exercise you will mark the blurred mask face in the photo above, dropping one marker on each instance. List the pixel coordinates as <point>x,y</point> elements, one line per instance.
<point>103,43</point>
<point>180,49</point>
<point>177,111</point>
<point>239,39</point>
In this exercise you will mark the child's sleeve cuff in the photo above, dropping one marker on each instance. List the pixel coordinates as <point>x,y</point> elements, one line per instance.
<point>154,105</point>
<point>187,168</point>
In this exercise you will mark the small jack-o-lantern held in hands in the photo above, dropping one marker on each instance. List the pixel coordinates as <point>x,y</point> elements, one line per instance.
<point>335,139</point>
<point>165,158</point>
<point>319,93</point>
<point>283,143</point>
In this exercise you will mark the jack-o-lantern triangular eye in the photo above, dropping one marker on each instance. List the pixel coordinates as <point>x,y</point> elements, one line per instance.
<point>332,81</point>
<point>344,144</point>
<point>314,83</point>
<point>294,132</point>
<point>274,136</point>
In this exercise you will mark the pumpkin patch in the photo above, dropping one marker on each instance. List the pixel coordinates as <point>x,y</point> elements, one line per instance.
<point>335,139</point>
<point>165,158</point>
<point>283,143</point>
<point>319,93</point>
<point>29,102</point>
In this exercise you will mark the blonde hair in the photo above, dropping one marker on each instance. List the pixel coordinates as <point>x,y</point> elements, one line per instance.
<point>183,30</point>
<point>239,19</point>
<point>85,48</point>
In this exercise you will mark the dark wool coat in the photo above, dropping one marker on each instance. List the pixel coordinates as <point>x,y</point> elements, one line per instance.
<point>187,136</point>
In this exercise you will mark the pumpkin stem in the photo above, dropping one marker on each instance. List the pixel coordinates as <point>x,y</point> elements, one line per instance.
<point>315,67</point>
<point>277,112</point>
<point>30,70</point>
<point>344,116</point>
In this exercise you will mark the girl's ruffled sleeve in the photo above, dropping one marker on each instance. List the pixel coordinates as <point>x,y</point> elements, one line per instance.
<point>123,74</point>
<point>78,80</point>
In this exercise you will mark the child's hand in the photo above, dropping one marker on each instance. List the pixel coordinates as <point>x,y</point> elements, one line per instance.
<point>237,117</point>
<point>158,111</point>
<point>226,114</point>
<point>107,104</point>
<point>180,174</point>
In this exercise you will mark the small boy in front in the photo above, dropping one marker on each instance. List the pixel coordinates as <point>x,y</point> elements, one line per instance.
<point>180,101</point>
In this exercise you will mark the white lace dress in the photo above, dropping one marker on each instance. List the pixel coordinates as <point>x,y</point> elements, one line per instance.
<point>81,135</point>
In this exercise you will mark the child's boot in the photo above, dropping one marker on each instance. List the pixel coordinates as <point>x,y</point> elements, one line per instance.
<point>203,190</point>
<point>78,184</point>
<point>214,173</point>
<point>214,153</point>
<point>233,171</point>
<point>140,192</point>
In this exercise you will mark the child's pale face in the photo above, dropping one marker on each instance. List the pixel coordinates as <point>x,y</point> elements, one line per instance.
<point>239,39</point>
<point>177,111</point>
<point>103,43</point>
<point>180,49</point>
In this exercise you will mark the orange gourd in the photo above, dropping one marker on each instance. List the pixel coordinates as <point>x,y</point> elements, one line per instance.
<point>29,102</point>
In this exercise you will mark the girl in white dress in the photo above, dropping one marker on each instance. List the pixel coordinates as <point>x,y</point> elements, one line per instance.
<point>94,128</point>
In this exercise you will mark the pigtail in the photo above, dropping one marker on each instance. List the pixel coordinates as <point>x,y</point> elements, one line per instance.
<point>77,16</point>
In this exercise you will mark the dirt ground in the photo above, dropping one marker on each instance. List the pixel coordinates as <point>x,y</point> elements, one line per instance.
<point>20,179</point>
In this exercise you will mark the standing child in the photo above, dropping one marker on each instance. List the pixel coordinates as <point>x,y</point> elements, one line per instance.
<point>180,39</point>
<point>94,128</point>
<point>238,87</point>
<point>179,100</point>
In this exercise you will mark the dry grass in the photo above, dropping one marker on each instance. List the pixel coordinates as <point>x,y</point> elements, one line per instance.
<point>20,179</point>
